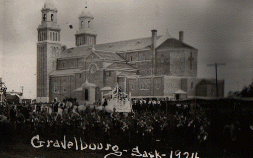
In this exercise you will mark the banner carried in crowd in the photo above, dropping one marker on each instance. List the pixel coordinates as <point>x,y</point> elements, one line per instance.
<point>119,101</point>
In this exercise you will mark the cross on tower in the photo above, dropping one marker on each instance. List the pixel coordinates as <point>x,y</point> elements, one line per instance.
<point>191,59</point>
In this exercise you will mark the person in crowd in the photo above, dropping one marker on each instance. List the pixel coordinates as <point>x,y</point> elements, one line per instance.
<point>105,102</point>
<point>13,114</point>
<point>20,122</point>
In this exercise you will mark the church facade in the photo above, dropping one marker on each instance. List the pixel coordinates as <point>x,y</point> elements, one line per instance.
<point>152,67</point>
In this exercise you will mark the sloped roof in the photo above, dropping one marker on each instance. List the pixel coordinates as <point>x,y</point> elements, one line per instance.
<point>66,72</point>
<point>180,92</point>
<point>126,45</point>
<point>127,73</point>
<point>109,55</point>
<point>174,43</point>
<point>85,84</point>
<point>76,52</point>
<point>105,49</point>
<point>210,81</point>
<point>11,96</point>
<point>120,66</point>
<point>106,88</point>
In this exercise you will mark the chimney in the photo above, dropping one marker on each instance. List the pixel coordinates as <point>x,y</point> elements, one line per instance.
<point>153,47</point>
<point>181,36</point>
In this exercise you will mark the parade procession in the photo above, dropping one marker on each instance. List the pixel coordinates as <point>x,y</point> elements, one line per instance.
<point>191,125</point>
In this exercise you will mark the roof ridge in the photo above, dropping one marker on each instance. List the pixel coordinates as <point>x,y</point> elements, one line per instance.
<point>128,40</point>
<point>113,42</point>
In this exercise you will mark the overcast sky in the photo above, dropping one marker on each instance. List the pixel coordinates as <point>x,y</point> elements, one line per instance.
<point>221,30</point>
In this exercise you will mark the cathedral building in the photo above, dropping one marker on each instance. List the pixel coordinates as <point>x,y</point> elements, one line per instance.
<point>152,67</point>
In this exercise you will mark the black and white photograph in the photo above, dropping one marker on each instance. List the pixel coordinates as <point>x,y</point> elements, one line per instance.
<point>126,78</point>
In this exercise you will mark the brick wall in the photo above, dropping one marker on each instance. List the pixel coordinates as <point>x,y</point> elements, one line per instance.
<point>171,85</point>
<point>177,63</point>
<point>144,68</point>
<point>110,78</point>
<point>42,71</point>
<point>163,62</point>
<point>158,86</point>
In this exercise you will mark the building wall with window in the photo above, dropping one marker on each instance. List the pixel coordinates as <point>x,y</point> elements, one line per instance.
<point>145,86</point>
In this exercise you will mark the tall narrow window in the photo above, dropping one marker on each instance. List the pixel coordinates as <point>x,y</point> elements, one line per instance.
<point>89,24</point>
<point>140,57</point>
<point>51,36</point>
<point>93,41</point>
<point>45,35</point>
<point>82,24</point>
<point>56,36</point>
<point>86,94</point>
<point>44,17</point>
<point>52,17</point>
<point>131,58</point>
<point>191,59</point>
<point>55,87</point>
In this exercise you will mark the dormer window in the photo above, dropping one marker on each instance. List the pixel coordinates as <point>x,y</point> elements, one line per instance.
<point>44,17</point>
<point>52,17</point>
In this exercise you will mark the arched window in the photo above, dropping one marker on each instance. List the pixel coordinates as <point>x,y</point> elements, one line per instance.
<point>52,17</point>
<point>44,17</point>
<point>89,24</point>
<point>82,23</point>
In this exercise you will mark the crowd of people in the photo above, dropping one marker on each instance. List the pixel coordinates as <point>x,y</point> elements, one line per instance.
<point>151,124</point>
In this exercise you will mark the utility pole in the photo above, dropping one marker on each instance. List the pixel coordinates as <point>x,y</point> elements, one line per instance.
<point>216,78</point>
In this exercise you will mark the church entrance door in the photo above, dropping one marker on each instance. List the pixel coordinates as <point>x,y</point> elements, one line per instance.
<point>86,94</point>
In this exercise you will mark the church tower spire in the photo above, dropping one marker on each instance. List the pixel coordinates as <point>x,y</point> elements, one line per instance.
<point>48,48</point>
<point>85,35</point>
